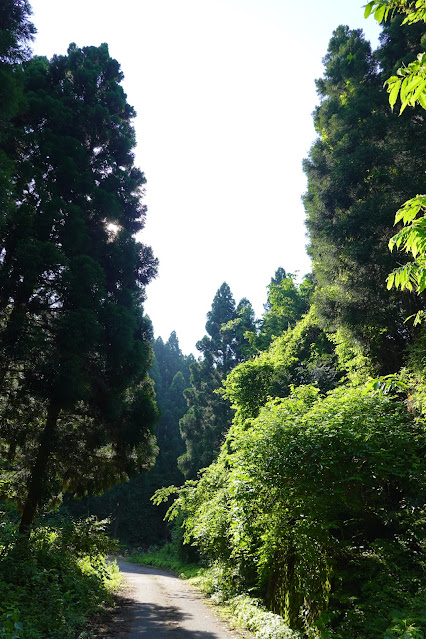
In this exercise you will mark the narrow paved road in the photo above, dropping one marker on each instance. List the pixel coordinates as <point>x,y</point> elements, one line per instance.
<point>166,607</point>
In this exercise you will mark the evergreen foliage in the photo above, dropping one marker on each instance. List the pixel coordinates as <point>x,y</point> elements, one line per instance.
<point>75,345</point>
<point>171,374</point>
<point>409,84</point>
<point>209,414</point>
<point>16,31</point>
<point>133,518</point>
<point>365,160</point>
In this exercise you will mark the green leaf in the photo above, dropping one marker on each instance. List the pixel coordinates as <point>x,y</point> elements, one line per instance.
<point>422,100</point>
<point>368,9</point>
<point>403,106</point>
<point>393,91</point>
<point>379,13</point>
<point>390,281</point>
<point>413,82</point>
<point>420,89</point>
<point>404,87</point>
<point>419,318</point>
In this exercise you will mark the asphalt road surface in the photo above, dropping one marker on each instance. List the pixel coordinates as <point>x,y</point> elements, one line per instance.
<point>166,607</point>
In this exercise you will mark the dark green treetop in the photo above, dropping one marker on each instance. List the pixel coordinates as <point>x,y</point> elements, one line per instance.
<point>209,414</point>
<point>16,30</point>
<point>217,346</point>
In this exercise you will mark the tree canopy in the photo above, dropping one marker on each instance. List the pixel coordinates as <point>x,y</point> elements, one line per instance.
<point>74,341</point>
<point>364,161</point>
<point>409,84</point>
<point>209,415</point>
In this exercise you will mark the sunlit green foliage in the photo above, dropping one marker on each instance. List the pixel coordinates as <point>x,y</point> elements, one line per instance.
<point>414,10</point>
<point>49,589</point>
<point>409,84</point>
<point>318,505</point>
<point>411,238</point>
<point>286,302</point>
<point>365,161</point>
<point>301,355</point>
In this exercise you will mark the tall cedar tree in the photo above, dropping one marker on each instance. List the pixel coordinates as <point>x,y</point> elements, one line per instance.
<point>171,376</point>
<point>209,414</point>
<point>75,347</point>
<point>364,163</point>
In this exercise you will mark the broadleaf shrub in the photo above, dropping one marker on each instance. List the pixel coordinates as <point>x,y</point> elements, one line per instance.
<point>317,506</point>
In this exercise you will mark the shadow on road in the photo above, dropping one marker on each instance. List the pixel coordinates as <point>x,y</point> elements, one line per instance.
<point>128,566</point>
<point>157,621</point>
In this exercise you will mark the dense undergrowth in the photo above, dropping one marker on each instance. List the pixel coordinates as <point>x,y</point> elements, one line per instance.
<point>51,584</point>
<point>316,508</point>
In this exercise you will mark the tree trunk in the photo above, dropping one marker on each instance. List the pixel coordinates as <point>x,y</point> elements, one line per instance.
<point>117,520</point>
<point>35,483</point>
<point>11,334</point>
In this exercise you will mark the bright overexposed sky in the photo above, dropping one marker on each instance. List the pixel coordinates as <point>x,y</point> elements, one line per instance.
<point>224,91</point>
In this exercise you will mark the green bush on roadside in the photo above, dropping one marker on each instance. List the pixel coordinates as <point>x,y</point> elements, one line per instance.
<point>316,506</point>
<point>166,556</point>
<point>51,584</point>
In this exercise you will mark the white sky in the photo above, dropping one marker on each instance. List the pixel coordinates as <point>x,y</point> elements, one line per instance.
<point>224,92</point>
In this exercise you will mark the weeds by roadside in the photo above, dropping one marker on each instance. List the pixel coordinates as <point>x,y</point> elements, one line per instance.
<point>51,585</point>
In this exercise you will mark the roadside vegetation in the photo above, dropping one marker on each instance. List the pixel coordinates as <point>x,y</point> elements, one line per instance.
<point>51,584</point>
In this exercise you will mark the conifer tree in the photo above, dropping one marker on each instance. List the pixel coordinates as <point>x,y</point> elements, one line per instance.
<point>209,414</point>
<point>134,519</point>
<point>171,376</point>
<point>358,170</point>
<point>285,305</point>
<point>16,31</point>
<point>74,342</point>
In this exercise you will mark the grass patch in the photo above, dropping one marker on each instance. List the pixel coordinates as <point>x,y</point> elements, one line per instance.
<point>166,557</point>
